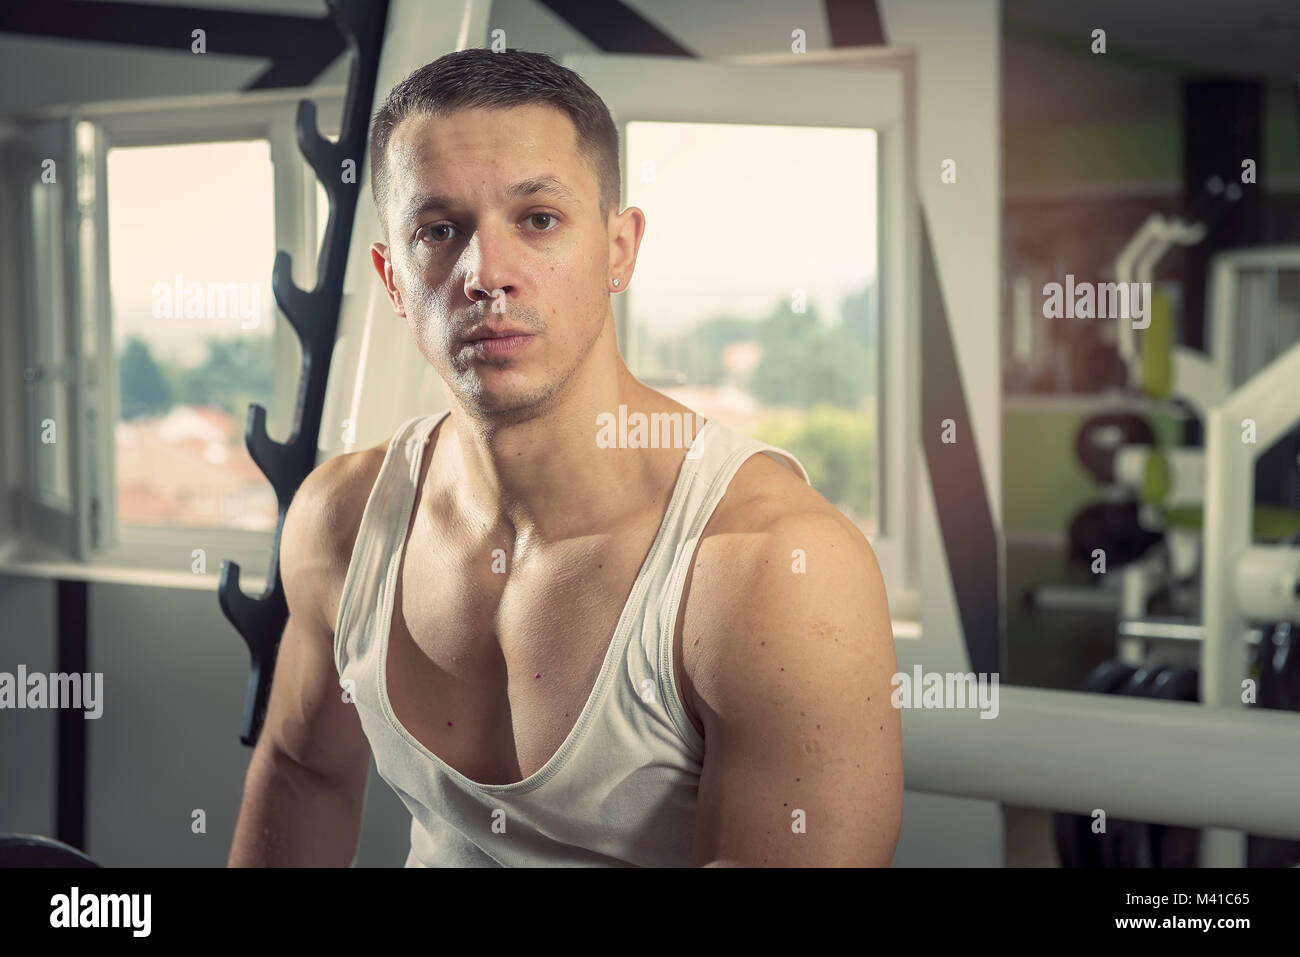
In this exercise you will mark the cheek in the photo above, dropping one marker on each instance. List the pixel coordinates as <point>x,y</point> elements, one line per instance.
<point>425,318</point>
<point>424,332</point>
<point>417,295</point>
<point>579,304</point>
<point>423,302</point>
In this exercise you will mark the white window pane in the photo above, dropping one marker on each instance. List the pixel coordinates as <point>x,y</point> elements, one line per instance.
<point>50,346</point>
<point>756,289</point>
<point>191,245</point>
<point>50,443</point>
<point>47,383</point>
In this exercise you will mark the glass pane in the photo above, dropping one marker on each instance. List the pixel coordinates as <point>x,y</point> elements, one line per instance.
<point>87,253</point>
<point>772,331</point>
<point>50,435</point>
<point>193,315</point>
<point>50,443</point>
<point>47,284</point>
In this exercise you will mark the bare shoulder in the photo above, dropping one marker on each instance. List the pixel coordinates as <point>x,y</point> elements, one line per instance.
<point>773,548</point>
<point>790,656</point>
<point>320,529</point>
<point>767,507</point>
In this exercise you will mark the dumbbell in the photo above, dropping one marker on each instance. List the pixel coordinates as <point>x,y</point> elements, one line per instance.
<point>1130,843</point>
<point>1142,844</point>
<point>1161,845</point>
<point>1115,528</point>
<point>1177,684</point>
<point>1127,843</point>
<point>1076,845</point>
<point>1278,661</point>
<point>1101,437</point>
<point>1141,681</point>
<point>1279,667</point>
<point>1108,677</point>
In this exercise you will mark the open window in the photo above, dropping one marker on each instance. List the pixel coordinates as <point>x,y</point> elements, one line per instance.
<point>148,323</point>
<point>777,273</point>
<point>53,193</point>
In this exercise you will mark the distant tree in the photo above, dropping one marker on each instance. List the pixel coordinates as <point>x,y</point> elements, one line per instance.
<point>143,388</point>
<point>804,361</point>
<point>860,321</point>
<point>805,364</point>
<point>837,447</point>
<point>236,371</point>
<point>697,352</point>
<point>858,315</point>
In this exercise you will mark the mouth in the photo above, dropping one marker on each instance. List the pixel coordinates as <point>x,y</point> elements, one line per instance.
<point>500,342</point>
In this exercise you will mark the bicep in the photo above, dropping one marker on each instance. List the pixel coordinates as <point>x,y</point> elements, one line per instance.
<point>803,750</point>
<point>308,719</point>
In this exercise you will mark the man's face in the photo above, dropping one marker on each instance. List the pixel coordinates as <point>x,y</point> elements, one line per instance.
<point>477,248</point>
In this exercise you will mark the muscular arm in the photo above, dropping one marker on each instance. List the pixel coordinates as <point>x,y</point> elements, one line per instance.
<point>803,750</point>
<point>306,781</point>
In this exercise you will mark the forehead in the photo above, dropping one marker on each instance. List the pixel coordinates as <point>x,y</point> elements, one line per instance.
<point>474,145</point>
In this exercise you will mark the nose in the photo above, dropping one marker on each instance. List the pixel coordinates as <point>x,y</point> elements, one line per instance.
<point>486,268</point>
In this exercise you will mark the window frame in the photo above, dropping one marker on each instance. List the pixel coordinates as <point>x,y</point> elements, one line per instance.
<point>659,93</point>
<point>263,115</point>
<point>50,518</point>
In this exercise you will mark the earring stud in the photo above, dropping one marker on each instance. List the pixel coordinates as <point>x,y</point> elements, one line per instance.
<point>616,282</point>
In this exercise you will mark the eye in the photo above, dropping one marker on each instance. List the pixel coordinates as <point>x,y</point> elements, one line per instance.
<point>543,216</point>
<point>430,228</point>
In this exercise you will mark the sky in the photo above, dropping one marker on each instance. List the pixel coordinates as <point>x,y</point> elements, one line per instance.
<point>738,216</point>
<point>204,211</point>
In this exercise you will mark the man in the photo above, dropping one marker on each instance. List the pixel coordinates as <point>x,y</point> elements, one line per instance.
<point>561,652</point>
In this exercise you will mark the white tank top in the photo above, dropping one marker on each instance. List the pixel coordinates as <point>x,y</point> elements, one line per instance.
<point>621,790</point>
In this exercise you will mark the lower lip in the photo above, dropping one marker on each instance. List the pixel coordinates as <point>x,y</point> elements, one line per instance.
<point>505,346</point>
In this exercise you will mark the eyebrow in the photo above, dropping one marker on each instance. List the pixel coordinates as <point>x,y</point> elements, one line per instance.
<point>537,185</point>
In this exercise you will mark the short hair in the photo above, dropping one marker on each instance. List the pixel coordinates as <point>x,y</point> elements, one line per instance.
<point>477,78</point>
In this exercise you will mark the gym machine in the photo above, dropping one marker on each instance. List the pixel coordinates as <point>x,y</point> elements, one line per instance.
<point>1154,526</point>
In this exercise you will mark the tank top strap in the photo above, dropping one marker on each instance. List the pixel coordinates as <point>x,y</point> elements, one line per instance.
<point>377,551</point>
<point>712,462</point>
<point>721,450</point>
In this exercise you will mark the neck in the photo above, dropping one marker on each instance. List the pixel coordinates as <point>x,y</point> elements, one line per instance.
<point>544,477</point>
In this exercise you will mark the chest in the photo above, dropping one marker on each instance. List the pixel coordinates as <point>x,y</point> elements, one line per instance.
<point>493,656</point>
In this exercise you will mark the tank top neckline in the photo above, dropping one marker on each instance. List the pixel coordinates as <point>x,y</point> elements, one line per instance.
<point>613,651</point>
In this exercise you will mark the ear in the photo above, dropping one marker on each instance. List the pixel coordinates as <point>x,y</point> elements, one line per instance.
<point>626,230</point>
<point>379,256</point>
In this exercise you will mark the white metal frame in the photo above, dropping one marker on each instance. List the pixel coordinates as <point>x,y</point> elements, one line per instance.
<point>1196,376</point>
<point>1222,298</point>
<point>812,90</point>
<point>1268,399</point>
<point>1206,379</point>
<point>52,519</point>
<point>1137,759</point>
